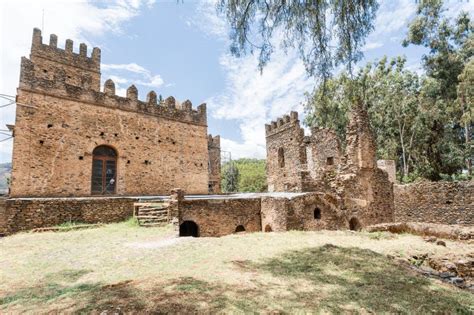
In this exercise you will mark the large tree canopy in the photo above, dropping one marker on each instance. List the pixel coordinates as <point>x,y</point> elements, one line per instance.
<point>326,32</point>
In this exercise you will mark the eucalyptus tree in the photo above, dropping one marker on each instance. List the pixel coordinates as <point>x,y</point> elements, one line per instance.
<point>327,33</point>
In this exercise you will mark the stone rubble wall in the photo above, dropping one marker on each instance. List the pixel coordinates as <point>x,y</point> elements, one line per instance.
<point>435,202</point>
<point>26,214</point>
<point>219,217</point>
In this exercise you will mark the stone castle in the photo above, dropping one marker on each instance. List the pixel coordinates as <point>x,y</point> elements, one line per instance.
<point>85,155</point>
<point>72,139</point>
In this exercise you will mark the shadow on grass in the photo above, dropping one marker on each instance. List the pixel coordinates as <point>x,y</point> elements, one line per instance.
<point>365,280</point>
<point>328,278</point>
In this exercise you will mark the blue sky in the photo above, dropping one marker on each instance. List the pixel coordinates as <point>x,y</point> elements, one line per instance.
<point>181,49</point>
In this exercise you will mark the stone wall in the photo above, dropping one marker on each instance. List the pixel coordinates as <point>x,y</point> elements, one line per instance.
<point>286,156</point>
<point>308,212</point>
<point>219,217</point>
<point>62,116</point>
<point>28,213</point>
<point>435,202</point>
<point>214,146</point>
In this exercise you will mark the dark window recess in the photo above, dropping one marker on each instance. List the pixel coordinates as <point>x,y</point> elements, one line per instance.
<point>330,160</point>
<point>147,162</point>
<point>136,138</point>
<point>268,228</point>
<point>102,134</point>
<point>50,125</point>
<point>45,71</point>
<point>174,142</point>
<point>317,214</point>
<point>116,134</point>
<point>81,158</point>
<point>104,170</point>
<point>128,162</point>
<point>41,142</point>
<point>281,157</point>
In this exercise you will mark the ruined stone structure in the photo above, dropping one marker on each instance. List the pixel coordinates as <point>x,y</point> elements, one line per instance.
<point>214,145</point>
<point>361,194</point>
<point>71,139</point>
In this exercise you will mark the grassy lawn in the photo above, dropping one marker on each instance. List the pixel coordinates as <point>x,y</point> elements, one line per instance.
<point>124,268</point>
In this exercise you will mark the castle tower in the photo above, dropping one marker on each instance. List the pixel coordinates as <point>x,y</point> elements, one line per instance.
<point>56,64</point>
<point>286,155</point>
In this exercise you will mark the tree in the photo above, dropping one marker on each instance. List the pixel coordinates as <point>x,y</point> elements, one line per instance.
<point>451,46</point>
<point>391,95</point>
<point>466,100</point>
<point>230,178</point>
<point>312,27</point>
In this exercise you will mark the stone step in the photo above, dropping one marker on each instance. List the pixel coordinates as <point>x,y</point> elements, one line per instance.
<point>153,224</point>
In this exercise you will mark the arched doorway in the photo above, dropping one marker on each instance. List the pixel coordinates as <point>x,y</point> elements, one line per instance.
<point>239,228</point>
<point>104,170</point>
<point>189,228</point>
<point>268,228</point>
<point>354,224</point>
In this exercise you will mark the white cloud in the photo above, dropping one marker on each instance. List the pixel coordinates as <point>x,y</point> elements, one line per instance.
<point>372,45</point>
<point>254,99</point>
<point>125,75</point>
<point>251,98</point>
<point>78,20</point>
<point>208,20</point>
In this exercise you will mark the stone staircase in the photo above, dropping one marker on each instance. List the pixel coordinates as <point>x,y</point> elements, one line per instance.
<point>151,213</point>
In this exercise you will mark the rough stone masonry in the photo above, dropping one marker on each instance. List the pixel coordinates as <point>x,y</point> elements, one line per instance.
<point>71,139</point>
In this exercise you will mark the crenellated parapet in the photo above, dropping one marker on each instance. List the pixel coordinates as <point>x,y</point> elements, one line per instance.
<point>282,123</point>
<point>57,85</point>
<point>65,56</point>
<point>213,142</point>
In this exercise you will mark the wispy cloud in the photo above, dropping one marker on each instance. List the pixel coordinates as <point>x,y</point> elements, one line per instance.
<point>253,98</point>
<point>131,73</point>
<point>372,45</point>
<point>78,20</point>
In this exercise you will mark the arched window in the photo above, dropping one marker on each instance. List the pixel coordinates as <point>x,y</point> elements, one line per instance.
<point>281,157</point>
<point>317,213</point>
<point>239,228</point>
<point>189,228</point>
<point>104,170</point>
<point>268,228</point>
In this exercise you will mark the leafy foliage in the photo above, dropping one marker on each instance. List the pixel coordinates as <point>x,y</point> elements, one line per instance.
<point>425,122</point>
<point>313,27</point>
<point>230,178</point>
<point>251,176</point>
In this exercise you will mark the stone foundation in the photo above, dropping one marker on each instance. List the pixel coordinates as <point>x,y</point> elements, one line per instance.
<point>21,214</point>
<point>435,202</point>
<point>219,217</point>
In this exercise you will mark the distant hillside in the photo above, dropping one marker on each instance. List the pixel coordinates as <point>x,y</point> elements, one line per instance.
<point>5,171</point>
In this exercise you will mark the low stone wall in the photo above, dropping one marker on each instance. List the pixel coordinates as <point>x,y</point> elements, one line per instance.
<point>21,214</point>
<point>219,217</point>
<point>435,202</point>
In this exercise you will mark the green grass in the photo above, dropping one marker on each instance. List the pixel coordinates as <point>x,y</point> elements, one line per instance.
<point>124,268</point>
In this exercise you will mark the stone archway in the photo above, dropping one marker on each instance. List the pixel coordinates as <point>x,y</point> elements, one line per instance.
<point>189,228</point>
<point>239,228</point>
<point>354,224</point>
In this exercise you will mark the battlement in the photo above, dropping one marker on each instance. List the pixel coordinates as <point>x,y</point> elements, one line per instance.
<point>57,86</point>
<point>65,56</point>
<point>213,142</point>
<point>282,123</point>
